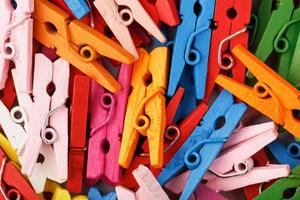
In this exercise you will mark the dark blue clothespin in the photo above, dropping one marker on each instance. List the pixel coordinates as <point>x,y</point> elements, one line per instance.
<point>286,153</point>
<point>205,143</point>
<point>78,7</point>
<point>95,194</point>
<point>192,42</point>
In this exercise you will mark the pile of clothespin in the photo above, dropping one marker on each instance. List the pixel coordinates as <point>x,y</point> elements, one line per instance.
<point>149,99</point>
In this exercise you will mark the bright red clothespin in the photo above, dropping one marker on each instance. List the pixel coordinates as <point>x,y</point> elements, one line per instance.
<point>48,124</point>
<point>8,94</point>
<point>14,185</point>
<point>107,120</point>
<point>79,112</point>
<point>162,11</point>
<point>16,29</point>
<point>230,21</point>
<point>174,137</point>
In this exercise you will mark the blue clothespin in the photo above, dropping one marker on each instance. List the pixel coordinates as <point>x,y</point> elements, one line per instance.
<point>286,153</point>
<point>95,194</point>
<point>205,143</point>
<point>192,42</point>
<point>78,7</point>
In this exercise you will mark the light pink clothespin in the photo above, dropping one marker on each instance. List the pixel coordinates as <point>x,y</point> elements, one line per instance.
<point>149,188</point>
<point>107,119</point>
<point>16,29</point>
<point>48,124</point>
<point>118,20</point>
<point>234,167</point>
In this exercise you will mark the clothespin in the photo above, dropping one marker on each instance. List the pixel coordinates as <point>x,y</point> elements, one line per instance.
<point>284,188</point>
<point>266,96</point>
<point>8,95</point>
<point>107,121</point>
<point>162,11</point>
<point>149,188</point>
<point>79,114</point>
<point>287,152</point>
<point>206,142</point>
<point>76,42</point>
<point>16,41</point>
<point>95,194</point>
<point>145,112</point>
<point>48,124</point>
<point>230,28</point>
<point>118,20</point>
<point>9,150</point>
<point>234,167</point>
<point>78,7</point>
<point>192,41</point>
<point>13,183</point>
<point>174,137</point>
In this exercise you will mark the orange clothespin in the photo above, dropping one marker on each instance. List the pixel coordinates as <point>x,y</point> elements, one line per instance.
<point>145,112</point>
<point>272,95</point>
<point>78,43</point>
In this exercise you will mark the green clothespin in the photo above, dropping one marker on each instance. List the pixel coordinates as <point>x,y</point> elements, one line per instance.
<point>284,188</point>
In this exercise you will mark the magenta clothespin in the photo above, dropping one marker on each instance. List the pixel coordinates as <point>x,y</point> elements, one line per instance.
<point>107,119</point>
<point>234,167</point>
<point>16,29</point>
<point>48,124</point>
<point>149,188</point>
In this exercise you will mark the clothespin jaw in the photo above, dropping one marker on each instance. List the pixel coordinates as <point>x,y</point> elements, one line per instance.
<point>16,42</point>
<point>266,96</point>
<point>95,194</point>
<point>78,7</point>
<point>193,31</point>
<point>284,188</point>
<point>207,139</point>
<point>119,20</point>
<point>76,42</point>
<point>107,121</point>
<point>79,112</point>
<point>230,19</point>
<point>148,83</point>
<point>56,190</point>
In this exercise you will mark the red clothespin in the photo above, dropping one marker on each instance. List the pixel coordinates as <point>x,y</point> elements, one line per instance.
<point>79,111</point>
<point>162,11</point>
<point>14,185</point>
<point>175,136</point>
<point>230,21</point>
<point>8,94</point>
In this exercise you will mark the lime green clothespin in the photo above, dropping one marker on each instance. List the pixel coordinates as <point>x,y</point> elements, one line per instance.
<point>284,188</point>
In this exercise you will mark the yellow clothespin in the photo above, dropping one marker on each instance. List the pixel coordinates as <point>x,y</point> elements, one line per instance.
<point>145,112</point>
<point>77,43</point>
<point>9,151</point>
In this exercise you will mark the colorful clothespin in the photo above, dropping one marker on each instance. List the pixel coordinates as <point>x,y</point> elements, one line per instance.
<point>149,188</point>
<point>78,7</point>
<point>284,188</point>
<point>267,95</point>
<point>16,41</point>
<point>107,121</point>
<point>48,124</point>
<point>95,194</point>
<point>79,115</point>
<point>162,11</point>
<point>234,168</point>
<point>192,41</point>
<point>287,152</point>
<point>78,43</point>
<point>174,137</point>
<point>145,112</point>
<point>118,20</point>
<point>205,143</point>
<point>8,95</point>
<point>230,28</point>
<point>13,184</point>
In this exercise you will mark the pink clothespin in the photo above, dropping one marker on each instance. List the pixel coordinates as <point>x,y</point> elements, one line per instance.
<point>107,119</point>
<point>48,124</point>
<point>234,167</point>
<point>16,30</point>
<point>118,20</point>
<point>149,187</point>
